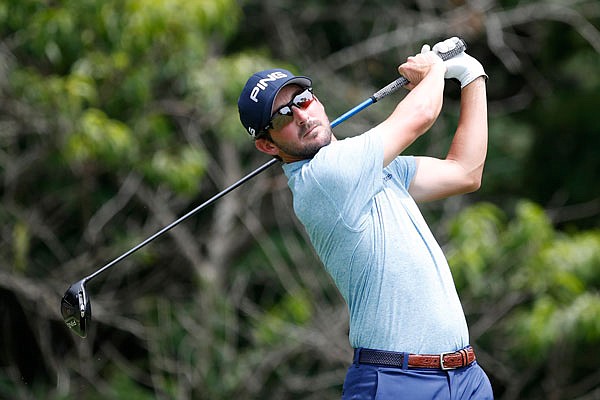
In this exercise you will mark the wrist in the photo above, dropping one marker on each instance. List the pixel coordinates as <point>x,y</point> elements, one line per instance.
<point>438,68</point>
<point>474,75</point>
<point>478,81</point>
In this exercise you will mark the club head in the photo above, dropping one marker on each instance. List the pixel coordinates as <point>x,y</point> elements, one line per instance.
<point>76,308</point>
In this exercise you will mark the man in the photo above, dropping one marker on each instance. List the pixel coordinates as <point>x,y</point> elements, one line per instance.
<point>356,198</point>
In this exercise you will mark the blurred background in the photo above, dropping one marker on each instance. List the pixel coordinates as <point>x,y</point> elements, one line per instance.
<point>118,116</point>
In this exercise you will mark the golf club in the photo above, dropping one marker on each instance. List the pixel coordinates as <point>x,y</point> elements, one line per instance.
<point>76,307</point>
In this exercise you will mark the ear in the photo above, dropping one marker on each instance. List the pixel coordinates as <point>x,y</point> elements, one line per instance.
<point>266,146</point>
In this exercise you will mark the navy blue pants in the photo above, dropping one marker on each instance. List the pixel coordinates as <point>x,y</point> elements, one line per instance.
<point>374,382</point>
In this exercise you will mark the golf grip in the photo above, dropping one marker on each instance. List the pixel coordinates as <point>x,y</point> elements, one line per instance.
<point>398,83</point>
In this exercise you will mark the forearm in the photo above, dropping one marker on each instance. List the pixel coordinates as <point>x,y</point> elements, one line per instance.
<point>415,114</point>
<point>469,145</point>
<point>422,104</point>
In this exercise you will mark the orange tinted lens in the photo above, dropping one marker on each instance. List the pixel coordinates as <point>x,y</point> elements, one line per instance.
<point>304,99</point>
<point>284,115</point>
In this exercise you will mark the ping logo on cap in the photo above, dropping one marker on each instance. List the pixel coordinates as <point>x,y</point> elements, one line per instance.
<point>263,83</point>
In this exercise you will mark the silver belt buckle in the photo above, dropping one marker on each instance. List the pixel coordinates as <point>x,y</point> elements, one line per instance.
<point>444,368</point>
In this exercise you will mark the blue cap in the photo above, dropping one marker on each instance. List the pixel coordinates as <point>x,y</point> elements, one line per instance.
<point>256,100</point>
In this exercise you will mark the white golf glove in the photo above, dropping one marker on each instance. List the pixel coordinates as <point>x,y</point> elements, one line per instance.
<point>462,67</point>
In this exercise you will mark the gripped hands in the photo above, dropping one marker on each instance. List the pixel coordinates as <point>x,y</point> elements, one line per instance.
<point>417,67</point>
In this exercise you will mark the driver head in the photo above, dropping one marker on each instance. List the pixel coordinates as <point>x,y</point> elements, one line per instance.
<point>76,308</point>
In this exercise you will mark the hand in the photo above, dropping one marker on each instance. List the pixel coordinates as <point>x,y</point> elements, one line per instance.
<point>418,66</point>
<point>462,67</point>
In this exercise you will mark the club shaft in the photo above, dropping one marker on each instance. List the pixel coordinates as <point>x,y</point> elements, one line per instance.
<point>183,218</point>
<point>216,197</point>
<point>380,94</point>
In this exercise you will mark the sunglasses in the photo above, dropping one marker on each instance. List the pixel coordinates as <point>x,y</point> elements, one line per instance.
<point>284,114</point>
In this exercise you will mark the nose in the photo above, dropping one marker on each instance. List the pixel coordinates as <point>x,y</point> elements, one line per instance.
<point>301,115</point>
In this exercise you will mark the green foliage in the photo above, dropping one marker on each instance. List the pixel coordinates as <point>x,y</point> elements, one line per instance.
<point>182,170</point>
<point>475,234</point>
<point>123,387</point>
<point>292,310</point>
<point>510,144</point>
<point>99,65</point>
<point>21,244</point>
<point>565,277</point>
<point>117,114</point>
<point>99,138</point>
<point>540,286</point>
<point>582,68</point>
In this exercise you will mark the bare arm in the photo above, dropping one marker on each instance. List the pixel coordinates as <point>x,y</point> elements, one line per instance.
<point>415,114</point>
<point>462,169</point>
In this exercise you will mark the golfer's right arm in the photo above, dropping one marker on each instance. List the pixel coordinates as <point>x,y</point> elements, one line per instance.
<point>417,112</point>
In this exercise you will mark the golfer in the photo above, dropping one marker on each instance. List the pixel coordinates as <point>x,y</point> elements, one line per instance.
<point>357,199</point>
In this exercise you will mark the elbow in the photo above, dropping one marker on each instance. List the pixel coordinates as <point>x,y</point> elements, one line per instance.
<point>469,177</point>
<point>473,186</point>
<point>427,114</point>
<point>472,183</point>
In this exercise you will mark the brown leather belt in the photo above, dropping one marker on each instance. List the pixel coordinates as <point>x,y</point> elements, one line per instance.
<point>444,361</point>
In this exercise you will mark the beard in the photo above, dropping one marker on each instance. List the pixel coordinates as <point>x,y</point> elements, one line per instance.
<point>308,147</point>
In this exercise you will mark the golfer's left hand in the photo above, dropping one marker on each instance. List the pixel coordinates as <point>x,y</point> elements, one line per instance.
<point>462,67</point>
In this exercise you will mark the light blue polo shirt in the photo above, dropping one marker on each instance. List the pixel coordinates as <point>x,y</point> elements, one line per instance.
<point>374,242</point>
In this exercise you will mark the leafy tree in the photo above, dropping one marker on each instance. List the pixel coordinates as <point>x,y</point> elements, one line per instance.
<point>532,298</point>
<point>118,116</point>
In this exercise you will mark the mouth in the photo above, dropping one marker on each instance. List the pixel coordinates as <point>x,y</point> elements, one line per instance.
<point>309,129</point>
